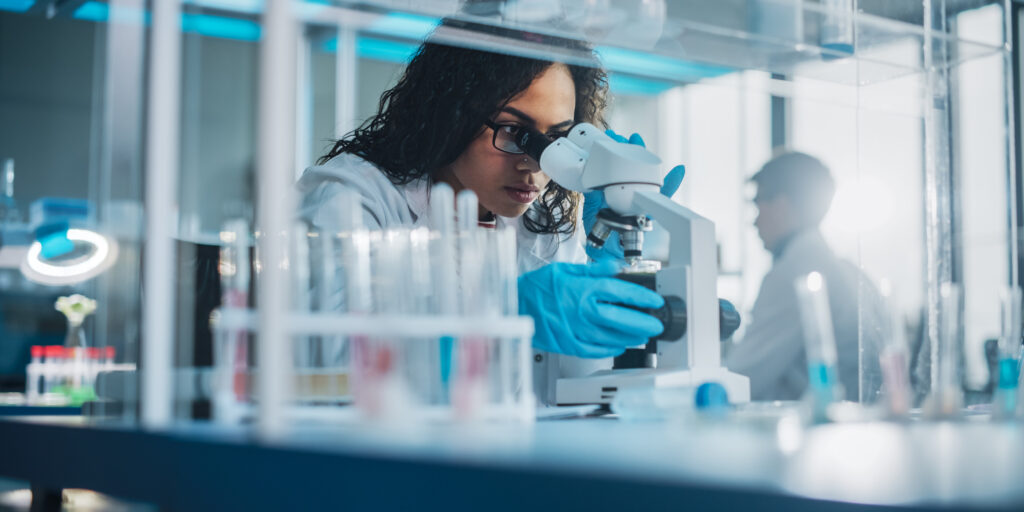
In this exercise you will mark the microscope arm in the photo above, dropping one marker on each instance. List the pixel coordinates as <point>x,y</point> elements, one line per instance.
<point>692,273</point>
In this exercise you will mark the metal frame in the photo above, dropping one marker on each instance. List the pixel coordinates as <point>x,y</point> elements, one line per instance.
<point>162,152</point>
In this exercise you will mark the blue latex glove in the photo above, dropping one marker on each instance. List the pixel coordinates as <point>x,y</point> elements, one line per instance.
<point>593,202</point>
<point>572,314</point>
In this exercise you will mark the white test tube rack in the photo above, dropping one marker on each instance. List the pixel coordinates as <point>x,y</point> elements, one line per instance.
<point>410,327</point>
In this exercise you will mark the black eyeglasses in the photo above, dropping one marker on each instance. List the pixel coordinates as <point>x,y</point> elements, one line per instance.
<point>506,135</point>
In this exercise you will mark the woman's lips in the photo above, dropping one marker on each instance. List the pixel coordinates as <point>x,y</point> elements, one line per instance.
<point>522,195</point>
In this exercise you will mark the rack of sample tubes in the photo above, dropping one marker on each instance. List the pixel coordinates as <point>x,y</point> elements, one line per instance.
<point>58,375</point>
<point>895,398</point>
<point>413,323</point>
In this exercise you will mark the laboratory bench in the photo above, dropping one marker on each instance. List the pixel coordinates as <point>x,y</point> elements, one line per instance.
<point>579,463</point>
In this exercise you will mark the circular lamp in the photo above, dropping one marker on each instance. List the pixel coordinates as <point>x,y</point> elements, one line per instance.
<point>100,254</point>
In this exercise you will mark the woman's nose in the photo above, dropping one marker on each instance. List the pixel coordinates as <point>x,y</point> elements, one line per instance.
<point>527,164</point>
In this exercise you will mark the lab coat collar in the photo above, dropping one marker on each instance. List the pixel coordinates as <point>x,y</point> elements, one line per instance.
<point>534,251</point>
<point>800,241</point>
<point>784,243</point>
<point>417,196</point>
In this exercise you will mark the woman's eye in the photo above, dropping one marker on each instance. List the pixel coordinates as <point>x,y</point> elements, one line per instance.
<point>510,129</point>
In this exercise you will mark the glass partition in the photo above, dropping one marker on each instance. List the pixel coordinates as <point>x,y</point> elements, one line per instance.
<point>904,102</point>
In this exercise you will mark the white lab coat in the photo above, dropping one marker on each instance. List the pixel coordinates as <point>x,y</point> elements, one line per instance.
<point>772,352</point>
<point>387,205</point>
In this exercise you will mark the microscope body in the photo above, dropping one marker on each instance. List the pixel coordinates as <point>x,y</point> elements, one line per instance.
<point>630,177</point>
<point>694,357</point>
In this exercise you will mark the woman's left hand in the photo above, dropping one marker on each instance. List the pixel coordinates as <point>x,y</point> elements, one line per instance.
<point>593,202</point>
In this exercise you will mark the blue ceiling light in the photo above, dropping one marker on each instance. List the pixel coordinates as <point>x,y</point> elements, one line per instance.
<point>627,84</point>
<point>92,11</point>
<point>241,6</point>
<point>205,24</point>
<point>656,66</point>
<point>405,26</point>
<point>16,5</point>
<point>377,49</point>
<point>388,51</point>
<point>220,26</point>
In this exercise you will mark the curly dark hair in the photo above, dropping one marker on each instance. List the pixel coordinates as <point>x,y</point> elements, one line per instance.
<point>439,106</point>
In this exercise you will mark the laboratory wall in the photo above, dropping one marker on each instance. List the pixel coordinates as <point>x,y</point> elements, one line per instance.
<point>983,182</point>
<point>219,122</point>
<point>48,86</point>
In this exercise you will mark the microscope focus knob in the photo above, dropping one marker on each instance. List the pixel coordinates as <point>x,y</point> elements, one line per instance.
<point>728,319</point>
<point>673,317</point>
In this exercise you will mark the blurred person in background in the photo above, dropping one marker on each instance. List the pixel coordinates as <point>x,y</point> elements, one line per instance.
<point>794,192</point>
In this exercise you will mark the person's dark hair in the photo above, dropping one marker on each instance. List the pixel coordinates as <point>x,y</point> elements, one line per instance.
<point>802,179</point>
<point>439,106</point>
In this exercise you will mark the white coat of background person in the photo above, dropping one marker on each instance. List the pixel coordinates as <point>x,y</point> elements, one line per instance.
<point>794,192</point>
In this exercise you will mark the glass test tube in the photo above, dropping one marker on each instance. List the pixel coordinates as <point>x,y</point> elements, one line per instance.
<point>303,351</point>
<point>442,217</point>
<point>946,397</point>
<point>894,358</point>
<point>231,356</point>
<point>836,31</point>
<point>420,354</point>
<point>328,285</point>
<point>824,386</point>
<point>510,354</point>
<point>1004,401</point>
<point>468,390</point>
<point>367,362</point>
<point>33,372</point>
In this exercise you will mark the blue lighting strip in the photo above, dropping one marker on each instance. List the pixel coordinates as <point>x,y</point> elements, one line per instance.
<point>222,27</point>
<point>631,71</point>
<point>92,11</point>
<point>16,5</point>
<point>240,6</point>
<point>207,25</point>
<point>378,49</point>
<point>401,25</point>
<point>657,66</point>
<point>619,83</point>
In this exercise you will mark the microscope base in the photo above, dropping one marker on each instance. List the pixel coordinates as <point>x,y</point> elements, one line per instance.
<point>600,387</point>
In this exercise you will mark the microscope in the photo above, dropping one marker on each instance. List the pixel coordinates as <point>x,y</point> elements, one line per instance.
<point>688,352</point>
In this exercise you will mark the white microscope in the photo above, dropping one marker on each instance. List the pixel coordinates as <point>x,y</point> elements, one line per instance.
<point>688,352</point>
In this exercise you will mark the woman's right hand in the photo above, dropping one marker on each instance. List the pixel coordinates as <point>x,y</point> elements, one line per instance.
<point>593,202</point>
<point>576,311</point>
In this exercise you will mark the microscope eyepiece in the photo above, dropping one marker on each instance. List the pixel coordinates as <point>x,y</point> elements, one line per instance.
<point>532,142</point>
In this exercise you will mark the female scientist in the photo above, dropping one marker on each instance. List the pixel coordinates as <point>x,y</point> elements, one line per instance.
<point>452,118</point>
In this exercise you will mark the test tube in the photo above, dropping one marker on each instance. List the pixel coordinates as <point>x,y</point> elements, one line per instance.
<point>442,218</point>
<point>93,354</point>
<point>468,387</point>
<point>894,358</point>
<point>231,356</point>
<point>367,360</point>
<point>299,269</point>
<point>824,387</point>
<point>837,27</point>
<point>53,370</point>
<point>420,354</point>
<point>329,285</point>
<point>33,372</point>
<point>513,358</point>
<point>1004,401</point>
<point>946,397</point>
<point>386,371</point>
<point>109,353</point>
